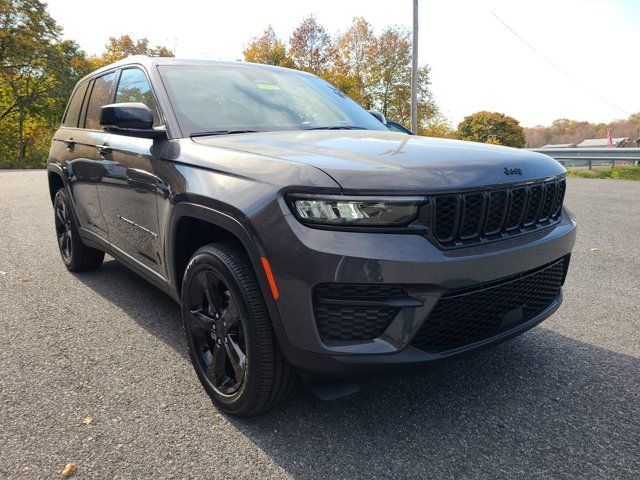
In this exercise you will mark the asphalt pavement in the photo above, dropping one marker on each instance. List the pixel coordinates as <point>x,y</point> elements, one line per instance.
<point>561,401</point>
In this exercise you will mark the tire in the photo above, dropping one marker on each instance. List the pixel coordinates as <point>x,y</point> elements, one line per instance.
<point>223,310</point>
<point>75,254</point>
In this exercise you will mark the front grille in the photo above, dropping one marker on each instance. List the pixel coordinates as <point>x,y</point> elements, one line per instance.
<point>461,219</point>
<point>465,316</point>
<point>354,312</point>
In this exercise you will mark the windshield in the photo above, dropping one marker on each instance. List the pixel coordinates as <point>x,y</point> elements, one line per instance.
<point>239,98</point>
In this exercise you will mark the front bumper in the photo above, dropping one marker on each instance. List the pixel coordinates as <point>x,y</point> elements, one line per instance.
<point>302,258</point>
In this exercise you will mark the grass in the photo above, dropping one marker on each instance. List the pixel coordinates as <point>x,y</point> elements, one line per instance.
<point>619,173</point>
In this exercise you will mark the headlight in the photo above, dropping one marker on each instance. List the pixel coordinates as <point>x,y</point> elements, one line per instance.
<point>342,211</point>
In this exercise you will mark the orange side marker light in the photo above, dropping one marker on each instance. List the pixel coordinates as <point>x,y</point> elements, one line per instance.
<point>272,281</point>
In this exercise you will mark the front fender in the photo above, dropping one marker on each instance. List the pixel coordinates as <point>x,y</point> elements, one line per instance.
<point>243,233</point>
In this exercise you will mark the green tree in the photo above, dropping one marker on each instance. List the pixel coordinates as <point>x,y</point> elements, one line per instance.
<point>391,79</point>
<point>268,49</point>
<point>37,71</point>
<point>492,127</point>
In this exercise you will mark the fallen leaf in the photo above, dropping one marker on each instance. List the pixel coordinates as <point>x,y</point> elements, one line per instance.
<point>25,279</point>
<point>87,420</point>
<point>595,250</point>
<point>68,469</point>
<point>2,274</point>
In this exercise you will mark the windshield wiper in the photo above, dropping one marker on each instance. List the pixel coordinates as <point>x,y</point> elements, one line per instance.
<point>221,132</point>
<point>337,127</point>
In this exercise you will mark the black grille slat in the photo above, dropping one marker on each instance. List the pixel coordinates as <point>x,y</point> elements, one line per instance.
<point>467,218</point>
<point>447,212</point>
<point>498,202</point>
<point>472,215</point>
<point>464,317</point>
<point>562,186</point>
<point>550,190</point>
<point>533,205</point>
<point>516,208</point>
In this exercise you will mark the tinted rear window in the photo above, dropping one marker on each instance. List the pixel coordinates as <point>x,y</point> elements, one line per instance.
<point>75,104</point>
<point>102,94</point>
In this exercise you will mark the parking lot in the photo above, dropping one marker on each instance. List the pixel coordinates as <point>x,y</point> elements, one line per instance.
<point>561,401</point>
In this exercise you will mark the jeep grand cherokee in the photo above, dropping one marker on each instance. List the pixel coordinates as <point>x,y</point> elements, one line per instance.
<point>299,235</point>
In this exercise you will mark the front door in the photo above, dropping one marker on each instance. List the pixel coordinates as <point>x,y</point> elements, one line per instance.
<point>129,190</point>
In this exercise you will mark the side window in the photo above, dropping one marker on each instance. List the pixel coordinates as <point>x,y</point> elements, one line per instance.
<point>102,94</point>
<point>134,87</point>
<point>75,105</point>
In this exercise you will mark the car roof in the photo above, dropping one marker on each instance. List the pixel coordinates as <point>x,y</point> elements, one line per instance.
<point>150,62</point>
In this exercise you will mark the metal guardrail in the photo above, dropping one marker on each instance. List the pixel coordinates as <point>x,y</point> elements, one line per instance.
<point>581,157</point>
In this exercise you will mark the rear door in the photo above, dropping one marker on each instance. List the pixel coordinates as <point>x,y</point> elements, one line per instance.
<point>128,192</point>
<point>80,161</point>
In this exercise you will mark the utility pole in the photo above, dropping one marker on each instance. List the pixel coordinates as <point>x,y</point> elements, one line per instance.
<point>414,71</point>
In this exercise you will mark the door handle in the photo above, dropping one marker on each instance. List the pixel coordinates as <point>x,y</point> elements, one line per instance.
<point>70,144</point>
<point>104,149</point>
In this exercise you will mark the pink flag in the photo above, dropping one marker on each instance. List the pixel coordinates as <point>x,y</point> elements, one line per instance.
<point>609,139</point>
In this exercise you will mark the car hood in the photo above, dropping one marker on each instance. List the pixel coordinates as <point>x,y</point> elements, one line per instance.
<point>368,160</point>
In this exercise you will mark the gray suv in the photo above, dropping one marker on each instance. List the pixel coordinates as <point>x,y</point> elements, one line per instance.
<point>300,236</point>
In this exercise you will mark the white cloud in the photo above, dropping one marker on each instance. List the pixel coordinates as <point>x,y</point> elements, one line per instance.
<point>477,64</point>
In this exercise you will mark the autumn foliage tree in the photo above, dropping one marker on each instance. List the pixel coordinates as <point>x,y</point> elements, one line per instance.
<point>267,49</point>
<point>566,131</point>
<point>392,80</point>
<point>118,48</point>
<point>374,70</point>
<point>310,47</point>
<point>38,70</point>
<point>492,127</point>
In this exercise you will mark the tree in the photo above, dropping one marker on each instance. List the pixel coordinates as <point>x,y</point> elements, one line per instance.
<point>391,79</point>
<point>492,127</point>
<point>374,70</point>
<point>564,130</point>
<point>36,68</point>
<point>437,126</point>
<point>124,46</point>
<point>310,47</point>
<point>267,49</point>
<point>38,71</point>
<point>354,53</point>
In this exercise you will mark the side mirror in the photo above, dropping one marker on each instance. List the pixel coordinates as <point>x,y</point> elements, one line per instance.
<point>379,116</point>
<point>131,119</point>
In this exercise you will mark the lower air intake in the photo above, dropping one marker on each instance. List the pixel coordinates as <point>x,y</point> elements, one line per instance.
<point>462,317</point>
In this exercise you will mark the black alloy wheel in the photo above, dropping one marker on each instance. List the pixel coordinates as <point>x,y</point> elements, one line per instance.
<point>63,228</point>
<point>75,254</point>
<point>216,333</point>
<point>229,333</point>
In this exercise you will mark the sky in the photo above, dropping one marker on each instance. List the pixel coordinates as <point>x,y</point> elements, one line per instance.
<point>476,62</point>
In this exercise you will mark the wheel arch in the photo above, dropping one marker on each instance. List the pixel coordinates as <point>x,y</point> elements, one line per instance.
<point>192,226</point>
<point>55,179</point>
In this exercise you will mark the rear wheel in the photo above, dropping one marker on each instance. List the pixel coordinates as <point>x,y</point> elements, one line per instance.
<point>75,254</point>
<point>229,334</point>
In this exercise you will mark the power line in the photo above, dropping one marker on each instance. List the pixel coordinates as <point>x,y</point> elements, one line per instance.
<point>554,65</point>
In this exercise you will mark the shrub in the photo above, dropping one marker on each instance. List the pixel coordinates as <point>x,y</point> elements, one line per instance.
<point>621,173</point>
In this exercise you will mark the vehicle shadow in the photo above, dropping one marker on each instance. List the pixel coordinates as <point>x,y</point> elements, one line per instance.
<point>541,406</point>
